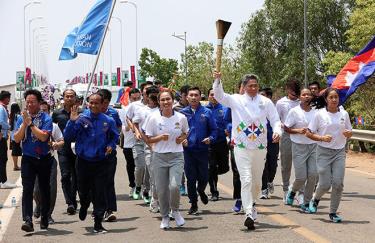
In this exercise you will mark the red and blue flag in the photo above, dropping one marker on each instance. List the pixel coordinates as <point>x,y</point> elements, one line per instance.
<point>355,73</point>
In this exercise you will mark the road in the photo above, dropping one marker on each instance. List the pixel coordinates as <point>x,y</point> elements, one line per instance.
<point>216,222</point>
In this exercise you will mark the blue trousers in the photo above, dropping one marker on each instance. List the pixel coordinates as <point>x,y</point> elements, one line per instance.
<point>196,171</point>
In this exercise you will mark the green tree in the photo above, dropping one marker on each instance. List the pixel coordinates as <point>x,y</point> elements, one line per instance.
<point>152,65</point>
<point>271,42</point>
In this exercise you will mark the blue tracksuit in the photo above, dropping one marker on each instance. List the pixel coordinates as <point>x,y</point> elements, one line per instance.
<point>201,125</point>
<point>220,114</point>
<point>92,133</point>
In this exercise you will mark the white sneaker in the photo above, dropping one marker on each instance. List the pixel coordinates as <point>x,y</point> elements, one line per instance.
<point>264,194</point>
<point>300,198</point>
<point>7,185</point>
<point>180,221</point>
<point>164,223</point>
<point>285,198</point>
<point>254,213</point>
<point>154,206</point>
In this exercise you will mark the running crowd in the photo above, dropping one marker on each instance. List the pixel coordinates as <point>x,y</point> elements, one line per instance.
<point>165,141</point>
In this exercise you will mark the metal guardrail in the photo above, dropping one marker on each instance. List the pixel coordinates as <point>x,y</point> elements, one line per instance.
<point>363,135</point>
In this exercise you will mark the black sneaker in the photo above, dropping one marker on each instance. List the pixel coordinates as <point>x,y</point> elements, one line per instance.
<point>50,220</point>
<point>98,227</point>
<point>249,223</point>
<point>44,223</point>
<point>109,216</point>
<point>214,198</point>
<point>203,197</point>
<point>82,213</point>
<point>28,226</point>
<point>193,210</point>
<point>71,210</point>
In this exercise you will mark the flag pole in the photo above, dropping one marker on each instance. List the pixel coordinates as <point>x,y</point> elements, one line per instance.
<point>98,55</point>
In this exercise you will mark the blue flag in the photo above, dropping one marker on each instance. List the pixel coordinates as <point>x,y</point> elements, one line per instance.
<point>88,37</point>
<point>67,51</point>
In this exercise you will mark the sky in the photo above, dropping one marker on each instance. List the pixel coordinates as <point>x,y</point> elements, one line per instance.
<point>157,21</point>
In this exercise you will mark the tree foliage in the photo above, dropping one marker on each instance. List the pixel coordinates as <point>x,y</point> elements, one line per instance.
<point>271,42</point>
<point>152,65</point>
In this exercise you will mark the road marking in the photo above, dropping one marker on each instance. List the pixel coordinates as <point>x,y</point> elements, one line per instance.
<point>304,232</point>
<point>7,211</point>
<point>361,172</point>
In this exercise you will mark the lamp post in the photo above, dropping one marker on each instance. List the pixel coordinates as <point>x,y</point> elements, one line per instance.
<point>33,38</point>
<point>183,37</point>
<point>305,40</point>
<point>136,34</point>
<point>30,23</point>
<point>117,18</point>
<point>24,30</point>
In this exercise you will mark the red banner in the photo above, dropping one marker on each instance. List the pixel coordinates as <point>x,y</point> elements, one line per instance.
<point>101,78</point>
<point>28,78</point>
<point>118,76</point>
<point>132,76</point>
<point>96,79</point>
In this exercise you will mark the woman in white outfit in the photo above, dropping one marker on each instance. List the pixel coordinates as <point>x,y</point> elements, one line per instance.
<point>303,149</point>
<point>167,130</point>
<point>331,128</point>
<point>250,112</point>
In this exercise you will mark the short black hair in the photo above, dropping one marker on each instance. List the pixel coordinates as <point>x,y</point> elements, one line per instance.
<point>247,77</point>
<point>128,84</point>
<point>144,84</point>
<point>315,83</point>
<point>4,95</point>
<point>166,91</point>
<point>195,88</point>
<point>35,92</point>
<point>97,93</point>
<point>294,85</point>
<point>184,89</point>
<point>208,93</point>
<point>157,82</point>
<point>152,90</point>
<point>45,103</point>
<point>134,91</point>
<point>107,95</point>
<point>267,91</point>
<point>75,94</point>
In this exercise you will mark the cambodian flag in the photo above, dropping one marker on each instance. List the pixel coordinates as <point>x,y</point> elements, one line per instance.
<point>356,72</point>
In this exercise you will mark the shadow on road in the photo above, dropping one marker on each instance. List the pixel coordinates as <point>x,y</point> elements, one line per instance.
<point>50,232</point>
<point>344,221</point>
<point>356,195</point>
<point>186,229</point>
<point>110,231</point>
<point>126,219</point>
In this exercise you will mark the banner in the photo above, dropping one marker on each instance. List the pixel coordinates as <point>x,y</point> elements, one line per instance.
<point>113,79</point>
<point>124,76</point>
<point>20,81</point>
<point>101,78</point>
<point>106,82</point>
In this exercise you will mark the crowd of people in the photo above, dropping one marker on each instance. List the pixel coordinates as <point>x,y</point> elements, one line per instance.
<point>175,147</point>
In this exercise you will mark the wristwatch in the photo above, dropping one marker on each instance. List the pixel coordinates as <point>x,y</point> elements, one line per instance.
<point>31,125</point>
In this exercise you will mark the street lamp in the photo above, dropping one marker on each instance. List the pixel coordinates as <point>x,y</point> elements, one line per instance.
<point>30,23</point>
<point>117,18</point>
<point>183,37</point>
<point>305,39</point>
<point>24,30</point>
<point>136,34</point>
<point>38,28</point>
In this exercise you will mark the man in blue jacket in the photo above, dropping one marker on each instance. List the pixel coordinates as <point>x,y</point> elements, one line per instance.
<point>218,151</point>
<point>202,132</point>
<point>96,136</point>
<point>112,158</point>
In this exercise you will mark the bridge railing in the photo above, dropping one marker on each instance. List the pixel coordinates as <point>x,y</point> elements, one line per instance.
<point>363,135</point>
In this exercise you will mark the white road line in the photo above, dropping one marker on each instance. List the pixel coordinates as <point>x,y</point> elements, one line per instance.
<point>7,211</point>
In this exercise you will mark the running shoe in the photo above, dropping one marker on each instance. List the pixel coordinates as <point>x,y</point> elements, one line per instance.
<point>313,206</point>
<point>214,198</point>
<point>27,226</point>
<point>44,223</point>
<point>164,223</point>
<point>82,213</point>
<point>237,206</point>
<point>249,223</point>
<point>7,185</point>
<point>99,229</point>
<point>137,193</point>
<point>154,206</point>
<point>180,221</point>
<point>335,218</point>
<point>264,194</point>
<point>203,197</point>
<point>109,216</point>
<point>71,210</point>
<point>290,197</point>
<point>300,198</point>
<point>305,208</point>
<point>193,210</point>
<point>271,188</point>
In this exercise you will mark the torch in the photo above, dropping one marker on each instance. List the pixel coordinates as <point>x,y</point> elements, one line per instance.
<point>222,28</point>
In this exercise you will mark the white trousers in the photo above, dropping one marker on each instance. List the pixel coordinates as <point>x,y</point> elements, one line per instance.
<point>250,165</point>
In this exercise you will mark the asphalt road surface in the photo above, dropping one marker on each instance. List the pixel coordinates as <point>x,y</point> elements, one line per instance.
<point>215,223</point>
